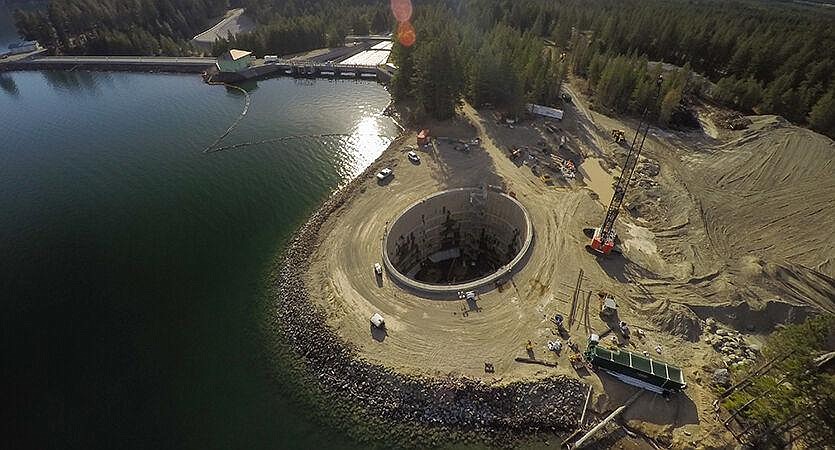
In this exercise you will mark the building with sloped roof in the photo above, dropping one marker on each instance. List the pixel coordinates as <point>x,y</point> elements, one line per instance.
<point>234,61</point>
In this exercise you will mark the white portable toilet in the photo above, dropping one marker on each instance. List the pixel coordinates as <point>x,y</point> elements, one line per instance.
<point>377,320</point>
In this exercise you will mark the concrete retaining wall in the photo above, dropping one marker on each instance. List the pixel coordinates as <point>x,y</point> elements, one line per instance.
<point>466,219</point>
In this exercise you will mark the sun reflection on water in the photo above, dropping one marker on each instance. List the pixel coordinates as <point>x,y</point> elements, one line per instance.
<point>365,144</point>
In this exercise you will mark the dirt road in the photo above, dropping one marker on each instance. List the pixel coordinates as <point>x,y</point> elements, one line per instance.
<point>234,22</point>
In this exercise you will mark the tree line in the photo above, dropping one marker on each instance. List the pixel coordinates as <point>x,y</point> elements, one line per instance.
<point>796,387</point>
<point>454,57</point>
<point>290,26</point>
<point>628,83</point>
<point>165,27</point>
<point>278,37</point>
<point>762,57</point>
<point>758,57</point>
<point>139,27</point>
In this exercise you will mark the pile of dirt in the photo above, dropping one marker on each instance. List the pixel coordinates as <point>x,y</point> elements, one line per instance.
<point>676,319</point>
<point>762,319</point>
<point>730,120</point>
<point>769,192</point>
<point>790,282</point>
<point>645,192</point>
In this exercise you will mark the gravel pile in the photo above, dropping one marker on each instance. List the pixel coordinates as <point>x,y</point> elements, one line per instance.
<point>443,404</point>
<point>730,343</point>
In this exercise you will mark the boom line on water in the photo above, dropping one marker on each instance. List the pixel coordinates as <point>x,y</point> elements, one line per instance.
<point>213,147</point>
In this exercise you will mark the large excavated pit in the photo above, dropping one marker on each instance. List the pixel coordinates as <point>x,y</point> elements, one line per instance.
<point>457,240</point>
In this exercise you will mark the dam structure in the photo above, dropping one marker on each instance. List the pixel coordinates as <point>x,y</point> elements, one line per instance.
<point>198,65</point>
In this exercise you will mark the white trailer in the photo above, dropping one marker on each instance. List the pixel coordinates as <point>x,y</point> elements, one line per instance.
<point>545,111</point>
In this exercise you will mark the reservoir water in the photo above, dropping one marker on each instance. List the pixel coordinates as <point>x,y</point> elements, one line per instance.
<point>134,266</point>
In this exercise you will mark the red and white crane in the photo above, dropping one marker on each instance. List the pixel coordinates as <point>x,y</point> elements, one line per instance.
<point>603,239</point>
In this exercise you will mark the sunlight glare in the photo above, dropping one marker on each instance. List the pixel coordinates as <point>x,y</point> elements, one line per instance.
<point>365,145</point>
<point>406,34</point>
<point>402,10</point>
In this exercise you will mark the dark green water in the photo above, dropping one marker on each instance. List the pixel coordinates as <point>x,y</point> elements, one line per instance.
<point>133,266</point>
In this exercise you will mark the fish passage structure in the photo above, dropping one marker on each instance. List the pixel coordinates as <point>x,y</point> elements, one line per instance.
<point>467,239</point>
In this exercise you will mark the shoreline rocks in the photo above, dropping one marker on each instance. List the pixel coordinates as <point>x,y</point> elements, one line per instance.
<point>447,407</point>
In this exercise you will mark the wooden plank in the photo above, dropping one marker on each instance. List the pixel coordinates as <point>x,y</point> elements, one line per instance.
<point>574,299</point>
<point>585,407</point>
<point>535,361</point>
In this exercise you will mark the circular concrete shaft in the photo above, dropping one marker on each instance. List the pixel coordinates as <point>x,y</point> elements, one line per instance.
<point>464,239</point>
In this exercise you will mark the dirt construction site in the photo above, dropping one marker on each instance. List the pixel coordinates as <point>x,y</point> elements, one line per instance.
<point>721,230</point>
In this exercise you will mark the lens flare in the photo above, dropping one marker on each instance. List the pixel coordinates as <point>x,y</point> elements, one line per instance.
<point>406,34</point>
<point>402,10</point>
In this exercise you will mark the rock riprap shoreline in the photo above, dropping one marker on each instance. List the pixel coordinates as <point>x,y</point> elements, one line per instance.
<point>379,394</point>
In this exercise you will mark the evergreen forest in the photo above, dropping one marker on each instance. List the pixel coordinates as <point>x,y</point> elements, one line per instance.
<point>755,56</point>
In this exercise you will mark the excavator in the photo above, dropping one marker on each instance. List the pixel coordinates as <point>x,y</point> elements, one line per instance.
<point>603,238</point>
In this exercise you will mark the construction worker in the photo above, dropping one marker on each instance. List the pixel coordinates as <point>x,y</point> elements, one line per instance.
<point>624,329</point>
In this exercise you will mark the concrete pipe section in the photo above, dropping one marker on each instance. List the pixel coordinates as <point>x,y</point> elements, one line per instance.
<point>467,239</point>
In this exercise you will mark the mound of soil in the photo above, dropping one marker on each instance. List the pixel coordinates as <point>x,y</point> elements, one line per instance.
<point>731,120</point>
<point>789,282</point>
<point>769,192</point>
<point>742,316</point>
<point>674,318</point>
